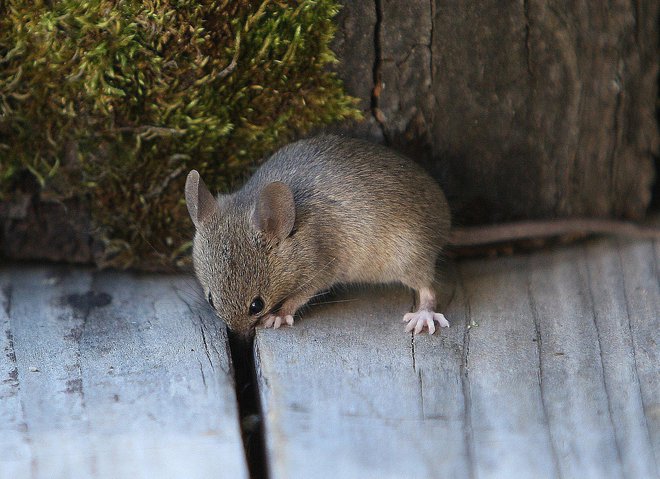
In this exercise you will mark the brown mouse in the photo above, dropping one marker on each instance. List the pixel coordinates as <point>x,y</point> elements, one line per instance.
<point>319,212</point>
<point>331,210</point>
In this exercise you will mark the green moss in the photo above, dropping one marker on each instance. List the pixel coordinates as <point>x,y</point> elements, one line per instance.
<point>116,101</point>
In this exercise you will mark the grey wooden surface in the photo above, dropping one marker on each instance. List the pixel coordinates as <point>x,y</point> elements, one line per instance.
<point>112,375</point>
<point>549,369</point>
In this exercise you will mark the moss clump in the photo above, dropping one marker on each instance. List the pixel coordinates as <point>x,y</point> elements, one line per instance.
<point>116,101</point>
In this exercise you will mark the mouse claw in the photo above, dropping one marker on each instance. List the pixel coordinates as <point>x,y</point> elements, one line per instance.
<point>440,318</point>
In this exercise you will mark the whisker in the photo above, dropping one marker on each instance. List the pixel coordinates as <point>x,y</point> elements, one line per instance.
<point>338,301</point>
<point>188,287</point>
<point>164,260</point>
<point>189,290</point>
<point>193,298</point>
<point>322,293</point>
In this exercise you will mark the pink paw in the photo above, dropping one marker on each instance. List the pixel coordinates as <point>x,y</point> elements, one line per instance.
<point>274,321</point>
<point>418,320</point>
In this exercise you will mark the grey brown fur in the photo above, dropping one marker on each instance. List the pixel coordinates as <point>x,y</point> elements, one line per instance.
<point>362,214</point>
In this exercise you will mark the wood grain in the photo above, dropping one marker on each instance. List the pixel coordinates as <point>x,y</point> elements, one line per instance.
<point>549,369</point>
<point>112,375</point>
<point>521,110</point>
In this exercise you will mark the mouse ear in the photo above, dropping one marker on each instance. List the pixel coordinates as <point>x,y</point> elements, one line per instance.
<point>275,211</point>
<point>201,203</point>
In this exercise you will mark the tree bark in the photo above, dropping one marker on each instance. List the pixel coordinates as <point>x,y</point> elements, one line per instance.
<point>526,109</point>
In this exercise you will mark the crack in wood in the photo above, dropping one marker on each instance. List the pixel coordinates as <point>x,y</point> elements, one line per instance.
<point>430,45</point>
<point>528,41</point>
<point>421,393</point>
<point>249,404</point>
<point>206,346</point>
<point>201,371</point>
<point>585,279</point>
<point>404,60</point>
<point>412,351</point>
<point>635,5</point>
<point>377,74</point>
<point>633,346</point>
<point>468,433</point>
<point>539,348</point>
<point>13,379</point>
<point>10,353</point>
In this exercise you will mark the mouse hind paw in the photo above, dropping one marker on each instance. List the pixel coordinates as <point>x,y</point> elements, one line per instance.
<point>419,320</point>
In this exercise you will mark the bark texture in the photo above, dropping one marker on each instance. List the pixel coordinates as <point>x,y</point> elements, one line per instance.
<point>524,109</point>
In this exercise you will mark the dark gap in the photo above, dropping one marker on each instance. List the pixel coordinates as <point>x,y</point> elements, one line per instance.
<point>377,76</point>
<point>654,207</point>
<point>249,404</point>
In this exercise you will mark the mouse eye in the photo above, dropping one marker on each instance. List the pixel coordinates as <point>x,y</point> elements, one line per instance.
<point>257,306</point>
<point>210,299</point>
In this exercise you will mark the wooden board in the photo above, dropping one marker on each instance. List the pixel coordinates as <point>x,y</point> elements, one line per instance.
<point>520,109</point>
<point>111,375</point>
<point>550,369</point>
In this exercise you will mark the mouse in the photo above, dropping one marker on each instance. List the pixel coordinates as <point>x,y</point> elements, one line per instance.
<point>333,210</point>
<point>319,212</point>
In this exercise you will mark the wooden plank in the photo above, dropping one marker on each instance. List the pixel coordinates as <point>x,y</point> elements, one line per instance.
<point>508,422</point>
<point>346,394</point>
<point>549,370</point>
<point>641,273</point>
<point>610,270</point>
<point>571,366</point>
<point>113,375</point>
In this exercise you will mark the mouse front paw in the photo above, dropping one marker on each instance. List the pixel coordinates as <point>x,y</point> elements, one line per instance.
<point>424,318</point>
<point>275,321</point>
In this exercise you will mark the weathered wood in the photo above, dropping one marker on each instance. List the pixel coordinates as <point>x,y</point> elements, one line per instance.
<point>639,263</point>
<point>521,109</point>
<point>506,415</point>
<point>112,375</point>
<point>607,287</point>
<point>571,366</point>
<point>550,369</point>
<point>341,394</point>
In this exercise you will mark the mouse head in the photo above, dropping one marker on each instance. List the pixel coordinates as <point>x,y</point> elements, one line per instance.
<point>241,254</point>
